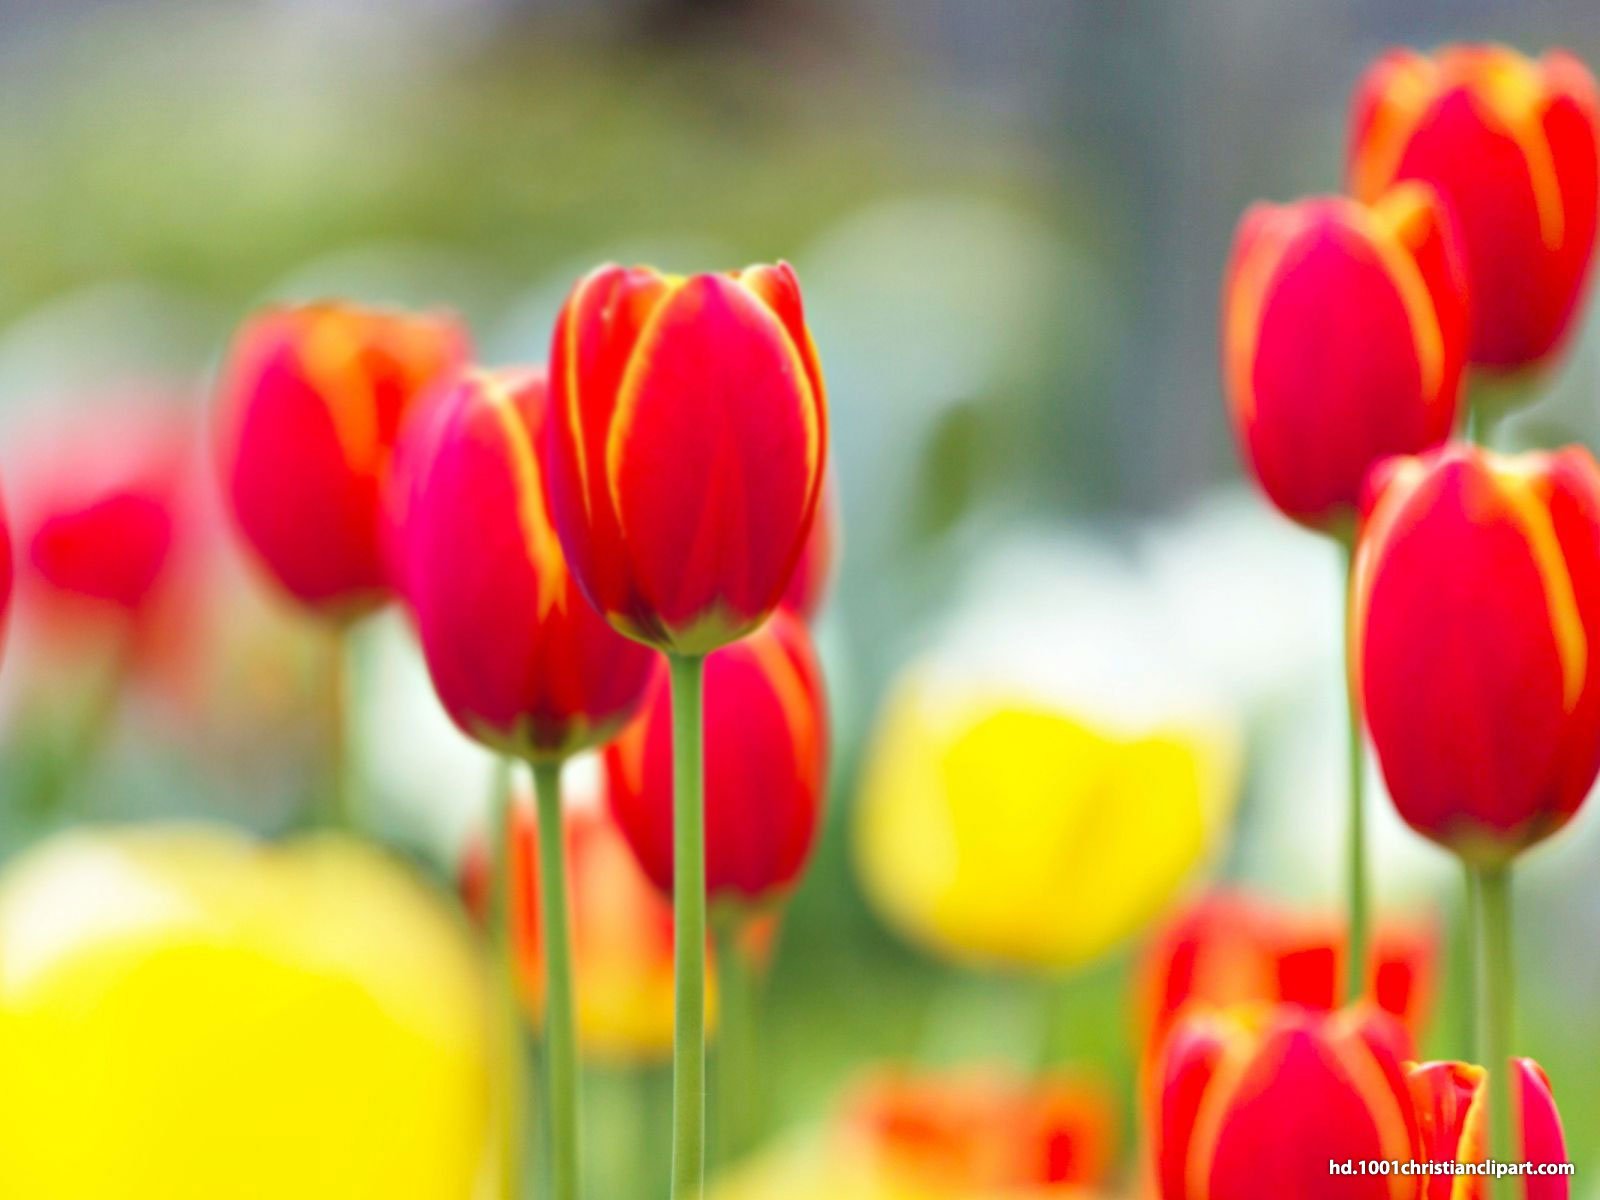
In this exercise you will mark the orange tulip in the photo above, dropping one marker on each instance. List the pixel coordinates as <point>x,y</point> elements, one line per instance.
<point>1254,1105</point>
<point>1343,341</point>
<point>1452,1114</point>
<point>1476,643</point>
<point>1510,145</point>
<point>688,449</point>
<point>312,399</point>
<point>766,748</point>
<point>517,655</point>
<point>621,929</point>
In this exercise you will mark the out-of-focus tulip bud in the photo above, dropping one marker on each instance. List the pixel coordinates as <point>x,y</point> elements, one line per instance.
<point>969,1135</point>
<point>1232,949</point>
<point>6,573</point>
<point>621,931</point>
<point>207,1013</point>
<point>1343,340</point>
<point>1452,1101</point>
<point>766,767</point>
<point>995,827</point>
<point>813,574</point>
<point>517,655</point>
<point>1255,1105</point>
<point>1476,643</point>
<point>312,399</point>
<point>1510,145</point>
<point>690,441</point>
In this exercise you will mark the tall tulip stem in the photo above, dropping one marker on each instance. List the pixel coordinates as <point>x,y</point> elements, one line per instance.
<point>1496,1007</point>
<point>339,799</point>
<point>560,1012</point>
<point>689,925</point>
<point>1357,968</point>
<point>738,1002</point>
<point>509,1027</point>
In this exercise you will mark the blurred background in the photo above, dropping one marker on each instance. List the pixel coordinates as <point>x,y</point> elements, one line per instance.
<point>1010,221</point>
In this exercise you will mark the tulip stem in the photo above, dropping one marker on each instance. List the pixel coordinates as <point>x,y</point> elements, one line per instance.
<point>1496,1006</point>
<point>738,1002</point>
<point>560,1013</point>
<point>1471,1018</point>
<point>510,1029</point>
<point>339,800</point>
<point>689,929</point>
<point>1356,968</point>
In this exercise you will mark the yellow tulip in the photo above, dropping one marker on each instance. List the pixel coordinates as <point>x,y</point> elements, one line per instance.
<point>995,827</point>
<point>188,1015</point>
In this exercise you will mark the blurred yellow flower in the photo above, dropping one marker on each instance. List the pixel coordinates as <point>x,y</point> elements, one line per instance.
<point>188,1015</point>
<point>995,827</point>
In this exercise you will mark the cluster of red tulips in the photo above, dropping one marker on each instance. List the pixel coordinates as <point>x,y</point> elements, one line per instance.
<point>1371,345</point>
<point>590,554</point>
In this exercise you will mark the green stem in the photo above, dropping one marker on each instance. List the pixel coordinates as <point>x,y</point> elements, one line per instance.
<point>1496,1009</point>
<point>560,1014</point>
<point>511,1030</point>
<point>1356,971</point>
<point>1471,1018</point>
<point>689,930</point>
<point>339,799</point>
<point>738,1005</point>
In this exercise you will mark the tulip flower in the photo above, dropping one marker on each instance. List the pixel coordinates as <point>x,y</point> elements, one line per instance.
<point>518,657</point>
<point>520,660</point>
<point>994,827</point>
<point>686,460</point>
<point>1510,145</point>
<point>217,1017</point>
<point>688,457</point>
<point>6,569</point>
<point>973,1134</point>
<point>312,399</point>
<point>1344,336</point>
<point>621,936</point>
<point>766,741</point>
<point>1255,1105</point>
<point>1475,628</point>
<point>1231,949</point>
<point>1451,1101</point>
<point>1476,643</point>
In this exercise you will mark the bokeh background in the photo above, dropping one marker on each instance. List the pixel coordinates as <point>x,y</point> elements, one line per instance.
<point>1010,220</point>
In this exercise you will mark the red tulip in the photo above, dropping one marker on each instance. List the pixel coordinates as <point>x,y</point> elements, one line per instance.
<point>766,766</point>
<point>1343,340</point>
<point>689,448</point>
<point>1256,1107</point>
<point>519,659</point>
<point>1510,144</point>
<point>1233,949</point>
<point>1476,643</point>
<point>6,573</point>
<point>813,573</point>
<point>312,399</point>
<point>1452,1114</point>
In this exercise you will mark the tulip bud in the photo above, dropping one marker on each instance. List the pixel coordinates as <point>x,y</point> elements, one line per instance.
<point>1476,643</point>
<point>1510,145</point>
<point>312,399</point>
<point>1255,1106</point>
<point>1452,1115</point>
<point>621,930</point>
<point>7,570</point>
<point>518,657</point>
<point>1343,340</point>
<point>766,754</point>
<point>688,448</point>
